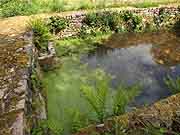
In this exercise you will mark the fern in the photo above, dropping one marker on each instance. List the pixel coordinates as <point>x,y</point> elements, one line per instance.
<point>173,84</point>
<point>100,97</point>
<point>97,99</point>
<point>122,97</point>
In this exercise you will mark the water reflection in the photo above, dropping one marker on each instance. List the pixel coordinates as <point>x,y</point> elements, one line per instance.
<point>139,58</point>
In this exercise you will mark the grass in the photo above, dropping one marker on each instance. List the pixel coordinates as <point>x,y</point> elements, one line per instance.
<point>17,7</point>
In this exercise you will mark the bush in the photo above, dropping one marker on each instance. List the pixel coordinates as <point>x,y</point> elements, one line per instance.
<point>56,24</point>
<point>113,21</point>
<point>132,22</point>
<point>104,21</point>
<point>41,34</point>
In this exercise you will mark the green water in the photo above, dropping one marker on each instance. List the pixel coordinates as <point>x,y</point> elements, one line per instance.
<point>66,107</point>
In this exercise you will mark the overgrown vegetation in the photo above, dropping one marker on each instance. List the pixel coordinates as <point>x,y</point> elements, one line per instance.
<point>41,34</point>
<point>113,21</point>
<point>56,24</point>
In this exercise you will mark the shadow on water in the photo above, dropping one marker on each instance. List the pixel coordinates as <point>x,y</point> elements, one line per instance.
<point>139,58</point>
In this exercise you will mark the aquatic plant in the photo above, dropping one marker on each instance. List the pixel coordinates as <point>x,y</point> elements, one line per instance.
<point>173,84</point>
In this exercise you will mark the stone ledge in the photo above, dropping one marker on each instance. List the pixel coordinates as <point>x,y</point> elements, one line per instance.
<point>162,113</point>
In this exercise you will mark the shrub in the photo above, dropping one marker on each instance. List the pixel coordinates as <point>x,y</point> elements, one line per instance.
<point>41,34</point>
<point>132,22</point>
<point>56,24</point>
<point>114,21</point>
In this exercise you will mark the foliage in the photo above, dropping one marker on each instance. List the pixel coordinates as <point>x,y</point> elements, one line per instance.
<point>122,97</point>
<point>98,96</point>
<point>173,84</point>
<point>133,23</point>
<point>41,34</point>
<point>176,27</point>
<point>102,21</point>
<point>56,24</point>
<point>16,7</point>
<point>112,21</point>
<point>76,46</point>
<point>44,127</point>
<point>57,5</point>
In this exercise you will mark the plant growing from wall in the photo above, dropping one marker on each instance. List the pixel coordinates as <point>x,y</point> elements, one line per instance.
<point>41,34</point>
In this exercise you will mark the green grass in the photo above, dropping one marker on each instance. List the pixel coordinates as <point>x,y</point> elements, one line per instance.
<point>17,7</point>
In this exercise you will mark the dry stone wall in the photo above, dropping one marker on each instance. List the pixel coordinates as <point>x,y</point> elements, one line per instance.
<point>17,60</point>
<point>75,20</point>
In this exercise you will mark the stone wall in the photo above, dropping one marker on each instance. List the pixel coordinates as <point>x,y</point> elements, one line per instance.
<point>75,20</point>
<point>17,60</point>
<point>165,113</point>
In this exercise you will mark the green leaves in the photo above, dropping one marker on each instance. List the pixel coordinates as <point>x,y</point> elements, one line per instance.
<point>173,84</point>
<point>102,96</point>
<point>56,24</point>
<point>122,97</point>
<point>41,34</point>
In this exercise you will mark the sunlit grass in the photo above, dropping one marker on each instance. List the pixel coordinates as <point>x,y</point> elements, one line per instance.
<point>16,7</point>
